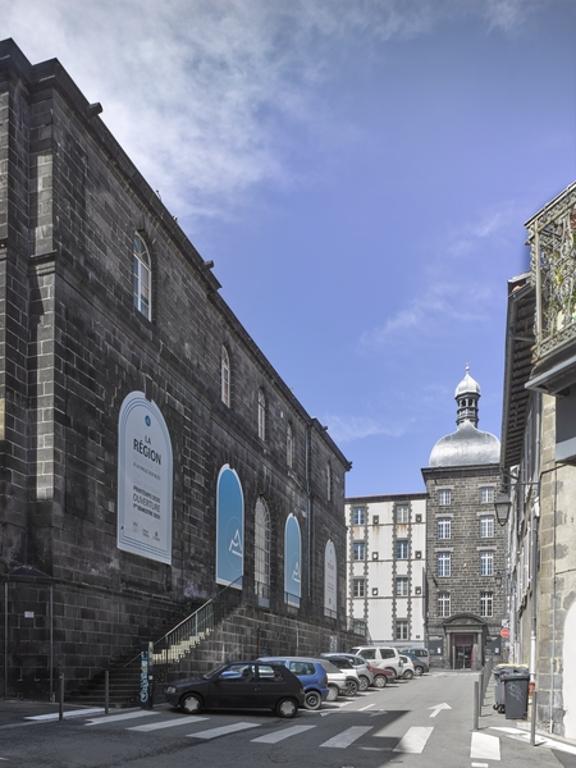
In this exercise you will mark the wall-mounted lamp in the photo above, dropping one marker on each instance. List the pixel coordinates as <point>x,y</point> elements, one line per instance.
<point>502,500</point>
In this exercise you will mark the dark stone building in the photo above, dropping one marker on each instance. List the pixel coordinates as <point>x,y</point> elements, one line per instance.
<point>465,546</point>
<point>150,455</point>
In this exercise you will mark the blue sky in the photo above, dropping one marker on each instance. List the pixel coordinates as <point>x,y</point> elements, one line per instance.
<point>359,172</point>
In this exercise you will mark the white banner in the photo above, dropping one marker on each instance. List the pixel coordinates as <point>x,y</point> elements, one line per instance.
<point>144,480</point>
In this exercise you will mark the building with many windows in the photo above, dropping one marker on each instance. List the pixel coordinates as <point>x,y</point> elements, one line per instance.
<point>465,547</point>
<point>386,566</point>
<point>152,461</point>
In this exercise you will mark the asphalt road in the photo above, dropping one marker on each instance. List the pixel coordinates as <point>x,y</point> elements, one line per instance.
<point>423,723</point>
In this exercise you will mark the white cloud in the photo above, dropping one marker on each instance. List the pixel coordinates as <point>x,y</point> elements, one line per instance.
<point>346,429</point>
<point>196,91</point>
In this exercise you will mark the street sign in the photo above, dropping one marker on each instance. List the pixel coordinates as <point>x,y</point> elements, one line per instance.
<point>505,633</point>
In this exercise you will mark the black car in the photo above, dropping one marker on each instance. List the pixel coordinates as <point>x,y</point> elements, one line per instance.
<point>240,685</point>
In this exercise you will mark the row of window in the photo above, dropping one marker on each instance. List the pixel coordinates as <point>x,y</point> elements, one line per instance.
<point>359,516</point>
<point>401,550</point>
<point>141,292</point>
<point>486,495</point>
<point>486,604</point>
<point>444,527</point>
<point>444,564</point>
<point>401,587</point>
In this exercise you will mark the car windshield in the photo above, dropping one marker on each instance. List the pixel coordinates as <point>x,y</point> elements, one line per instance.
<point>328,666</point>
<point>214,671</point>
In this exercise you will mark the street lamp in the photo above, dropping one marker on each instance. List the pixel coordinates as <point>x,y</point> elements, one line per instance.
<point>502,506</point>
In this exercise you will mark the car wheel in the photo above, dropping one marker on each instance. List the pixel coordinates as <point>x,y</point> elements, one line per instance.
<point>407,674</point>
<point>312,700</point>
<point>351,688</point>
<point>333,693</point>
<point>380,681</point>
<point>364,683</point>
<point>190,703</point>
<point>286,708</point>
<point>394,673</point>
<point>418,671</point>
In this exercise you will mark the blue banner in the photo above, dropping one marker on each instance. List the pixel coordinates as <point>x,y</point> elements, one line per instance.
<point>229,528</point>
<point>292,561</point>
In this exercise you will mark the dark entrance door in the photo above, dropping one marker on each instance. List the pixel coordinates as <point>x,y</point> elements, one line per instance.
<point>462,655</point>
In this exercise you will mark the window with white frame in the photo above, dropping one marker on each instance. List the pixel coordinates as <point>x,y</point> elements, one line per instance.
<point>402,549</point>
<point>358,550</point>
<point>443,563</point>
<point>358,516</point>
<point>402,513</point>
<point>261,414</point>
<point>486,563</point>
<point>487,527</point>
<point>487,494</point>
<point>486,604</point>
<point>141,276</point>
<point>225,376</point>
<point>289,446</point>
<point>444,527</point>
<point>443,604</point>
<point>444,497</point>
<point>358,587</point>
<point>401,629</point>
<point>402,586</point>
<point>262,552</point>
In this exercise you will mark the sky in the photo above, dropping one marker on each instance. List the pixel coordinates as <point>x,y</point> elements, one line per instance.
<point>360,172</point>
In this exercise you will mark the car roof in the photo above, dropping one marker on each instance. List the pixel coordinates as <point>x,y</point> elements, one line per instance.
<point>279,659</point>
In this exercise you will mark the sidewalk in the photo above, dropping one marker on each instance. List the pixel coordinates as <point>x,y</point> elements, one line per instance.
<point>518,729</point>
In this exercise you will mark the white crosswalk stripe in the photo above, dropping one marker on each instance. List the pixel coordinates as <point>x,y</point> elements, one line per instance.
<point>285,733</point>
<point>414,740</point>
<point>347,737</point>
<point>119,718</point>
<point>213,733</point>
<point>172,723</point>
<point>484,747</point>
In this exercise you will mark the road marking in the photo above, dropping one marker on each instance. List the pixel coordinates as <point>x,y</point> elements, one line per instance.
<point>347,737</point>
<point>414,740</point>
<point>285,733</point>
<point>363,709</point>
<point>172,723</point>
<point>213,733</point>
<point>67,714</point>
<point>484,747</point>
<point>119,718</point>
<point>479,765</point>
<point>437,708</point>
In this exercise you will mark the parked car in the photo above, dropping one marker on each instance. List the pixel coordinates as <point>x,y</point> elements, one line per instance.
<point>420,663</point>
<point>240,685</point>
<point>339,683</point>
<point>346,661</point>
<point>381,676</point>
<point>408,670</point>
<point>311,674</point>
<point>383,656</point>
<point>422,653</point>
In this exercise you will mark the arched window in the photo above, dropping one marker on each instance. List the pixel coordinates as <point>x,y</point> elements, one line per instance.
<point>225,376</point>
<point>328,482</point>
<point>141,276</point>
<point>261,414</point>
<point>330,580</point>
<point>292,561</point>
<point>289,446</point>
<point>262,553</point>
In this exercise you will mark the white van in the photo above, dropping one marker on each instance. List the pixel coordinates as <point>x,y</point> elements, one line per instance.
<point>383,656</point>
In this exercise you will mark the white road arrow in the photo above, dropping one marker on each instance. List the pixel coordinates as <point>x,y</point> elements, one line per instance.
<point>437,708</point>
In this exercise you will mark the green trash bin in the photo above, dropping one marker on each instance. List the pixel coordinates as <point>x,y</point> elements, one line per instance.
<point>515,683</point>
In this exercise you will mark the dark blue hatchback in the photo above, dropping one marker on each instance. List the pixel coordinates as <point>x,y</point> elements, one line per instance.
<point>311,674</point>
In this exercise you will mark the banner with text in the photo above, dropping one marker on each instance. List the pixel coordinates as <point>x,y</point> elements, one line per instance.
<point>330,580</point>
<point>292,561</point>
<point>229,528</point>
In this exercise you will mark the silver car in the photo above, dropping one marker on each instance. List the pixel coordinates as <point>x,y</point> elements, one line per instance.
<point>349,661</point>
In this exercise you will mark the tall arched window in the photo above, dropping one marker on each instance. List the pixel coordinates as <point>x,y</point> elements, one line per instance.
<point>262,553</point>
<point>289,446</point>
<point>225,376</point>
<point>261,414</point>
<point>328,482</point>
<point>141,276</point>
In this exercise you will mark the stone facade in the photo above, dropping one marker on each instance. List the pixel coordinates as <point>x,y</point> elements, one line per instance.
<point>72,346</point>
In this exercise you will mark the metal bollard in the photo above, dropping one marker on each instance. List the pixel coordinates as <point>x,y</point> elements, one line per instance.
<point>61,696</point>
<point>476,703</point>
<point>106,691</point>
<point>533,718</point>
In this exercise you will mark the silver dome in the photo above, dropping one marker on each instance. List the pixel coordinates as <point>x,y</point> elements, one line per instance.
<point>468,385</point>
<point>467,446</point>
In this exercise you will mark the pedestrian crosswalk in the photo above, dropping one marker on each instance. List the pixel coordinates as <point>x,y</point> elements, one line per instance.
<point>326,734</point>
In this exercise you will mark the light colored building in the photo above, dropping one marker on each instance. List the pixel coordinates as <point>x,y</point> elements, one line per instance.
<point>386,566</point>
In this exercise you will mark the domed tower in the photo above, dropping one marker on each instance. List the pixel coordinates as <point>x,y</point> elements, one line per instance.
<point>465,546</point>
